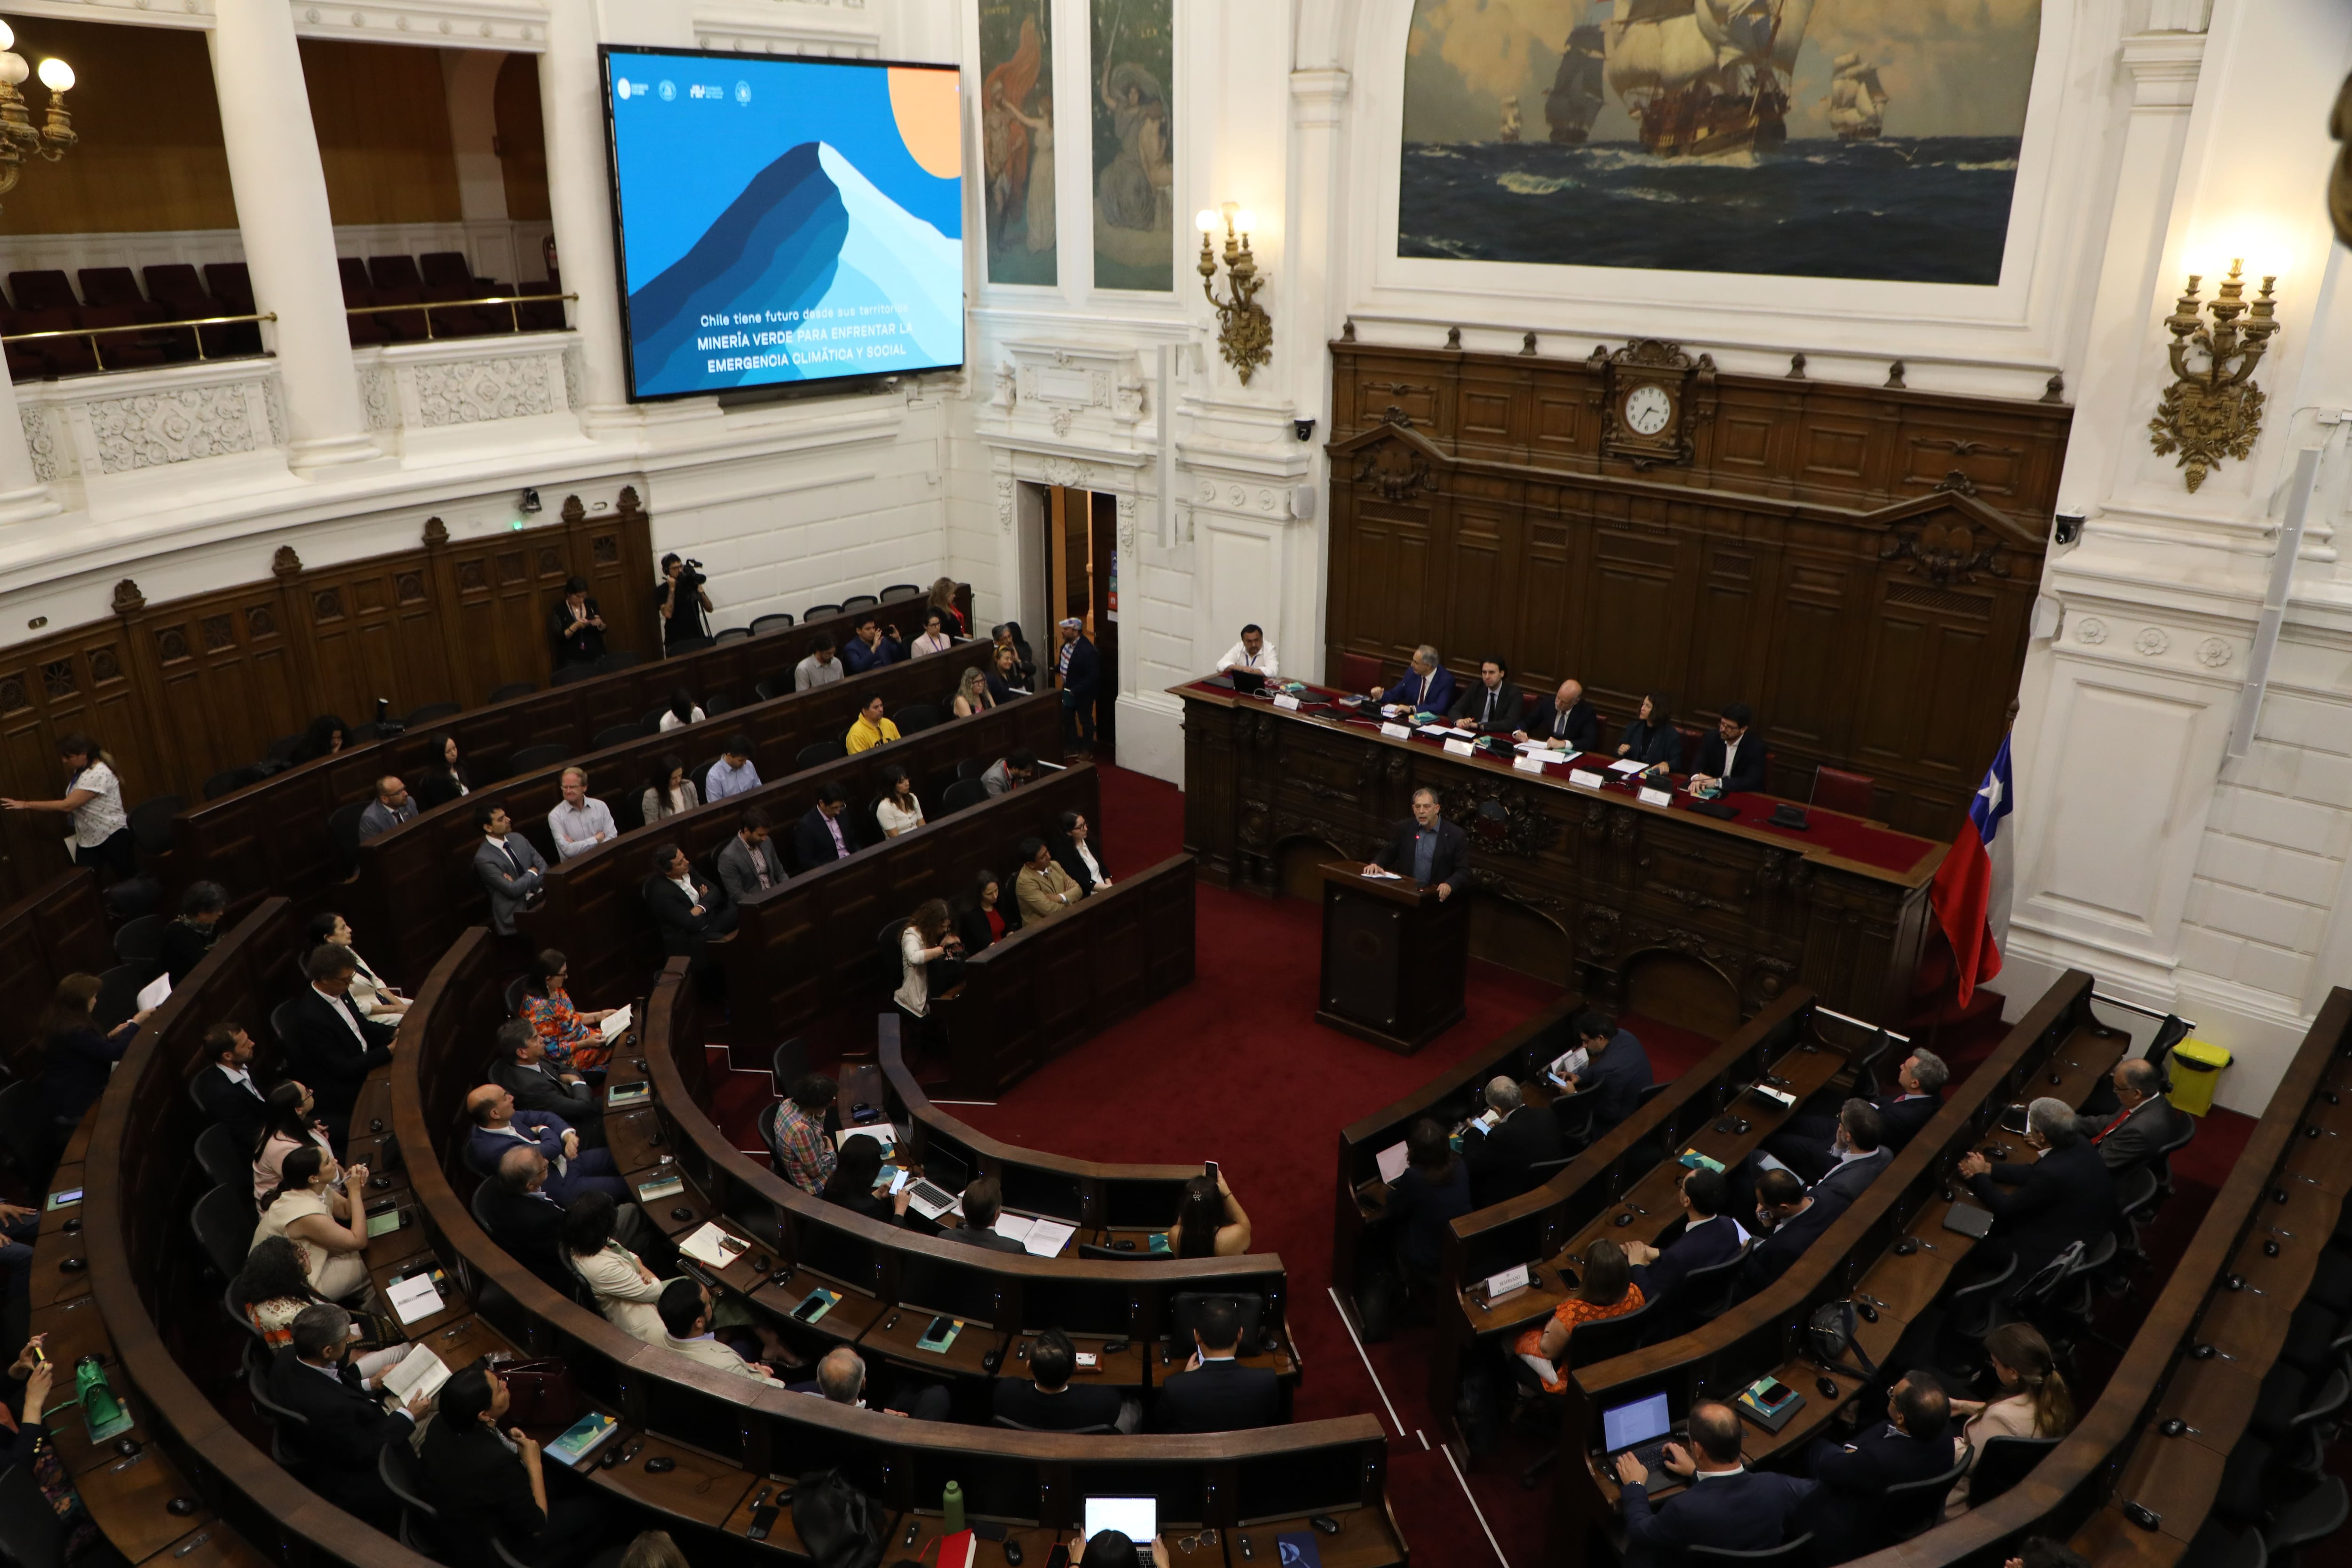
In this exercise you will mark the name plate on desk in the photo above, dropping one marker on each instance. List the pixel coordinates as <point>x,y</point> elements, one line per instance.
<point>1533,762</point>
<point>1397,731</point>
<point>1461,749</point>
<point>1287,701</point>
<point>1656,798</point>
<point>1585,778</point>
<point>1508,1281</point>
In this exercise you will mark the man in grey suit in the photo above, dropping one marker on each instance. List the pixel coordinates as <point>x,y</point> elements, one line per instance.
<point>524,1071</point>
<point>509,867</point>
<point>749,863</point>
<point>390,808</point>
<point>1859,1145</point>
<point>2143,1122</point>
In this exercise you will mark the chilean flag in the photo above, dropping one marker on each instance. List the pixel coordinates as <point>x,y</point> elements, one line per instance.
<point>1973,879</point>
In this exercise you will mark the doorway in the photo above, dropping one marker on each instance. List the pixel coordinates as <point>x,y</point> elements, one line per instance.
<point>1082,580</point>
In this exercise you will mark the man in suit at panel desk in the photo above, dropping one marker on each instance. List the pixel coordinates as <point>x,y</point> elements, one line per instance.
<point>1610,1080</point>
<point>1520,1136</point>
<point>982,1200</point>
<point>391,807</point>
<point>687,910</point>
<point>2067,1196</point>
<point>1492,701</point>
<point>348,1423</point>
<point>1709,1238</point>
<point>1723,1504</point>
<point>227,1088</point>
<point>500,1124</point>
<point>1733,756</point>
<point>824,835</point>
<point>540,1088</point>
<point>1215,1393</point>
<point>2143,1122</point>
<point>1796,1220</point>
<point>1804,1141</point>
<point>747,863</point>
<point>1428,849</point>
<point>1850,1515</point>
<point>1564,721</point>
<point>1046,1401</point>
<point>509,866</point>
<point>1427,687</point>
<point>329,1045</point>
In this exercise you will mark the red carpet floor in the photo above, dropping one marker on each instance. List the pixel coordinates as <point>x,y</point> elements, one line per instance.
<point>1235,1069</point>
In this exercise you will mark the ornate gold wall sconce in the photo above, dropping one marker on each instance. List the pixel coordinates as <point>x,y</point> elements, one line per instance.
<point>19,138</point>
<point>2215,412</point>
<point>1244,331</point>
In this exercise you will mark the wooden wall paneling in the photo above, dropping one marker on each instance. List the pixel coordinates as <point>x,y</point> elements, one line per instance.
<point>614,552</point>
<point>56,929</point>
<point>1482,549</point>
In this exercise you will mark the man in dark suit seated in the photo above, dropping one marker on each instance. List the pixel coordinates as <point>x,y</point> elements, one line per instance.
<point>687,910</point>
<point>227,1088</point>
<point>2067,1196</point>
<point>525,1072</point>
<point>983,1200</point>
<point>1854,1157</point>
<point>526,1223</point>
<point>1492,702</point>
<point>747,863</point>
<point>1733,756</point>
<point>329,1046</point>
<point>485,1486</point>
<point>1796,1221</point>
<point>1709,1238</point>
<point>1522,1135</point>
<point>826,834</point>
<point>1849,1515</point>
<point>348,1424</point>
<point>499,1125</point>
<point>1614,1072</point>
<point>1722,1504</point>
<point>1802,1143</point>
<point>1046,1402</point>
<point>2143,1122</point>
<point>1427,687</point>
<point>1429,849</point>
<point>1564,721</point>
<point>1215,1393</point>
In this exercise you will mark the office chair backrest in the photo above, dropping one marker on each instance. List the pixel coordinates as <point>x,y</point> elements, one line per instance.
<point>2168,1033</point>
<point>224,1160</point>
<point>789,1064</point>
<point>1603,1338</point>
<point>1797,1553</point>
<point>1912,1507</point>
<point>223,1221</point>
<point>2002,1463</point>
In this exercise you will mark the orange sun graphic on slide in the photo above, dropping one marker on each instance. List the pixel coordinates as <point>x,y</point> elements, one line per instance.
<point>925,102</point>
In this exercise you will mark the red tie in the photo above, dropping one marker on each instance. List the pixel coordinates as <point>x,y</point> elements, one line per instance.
<point>2111,1126</point>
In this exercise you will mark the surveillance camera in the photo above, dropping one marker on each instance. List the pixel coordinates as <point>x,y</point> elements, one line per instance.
<point>531,500</point>
<point>1305,427</point>
<point>2069,527</point>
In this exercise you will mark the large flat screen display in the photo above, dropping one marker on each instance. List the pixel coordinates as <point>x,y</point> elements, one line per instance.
<point>783,221</point>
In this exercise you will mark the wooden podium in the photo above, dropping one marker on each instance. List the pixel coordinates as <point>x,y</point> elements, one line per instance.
<point>1393,958</point>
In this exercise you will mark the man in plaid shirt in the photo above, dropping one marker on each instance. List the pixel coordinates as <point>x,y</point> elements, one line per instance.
<point>799,1148</point>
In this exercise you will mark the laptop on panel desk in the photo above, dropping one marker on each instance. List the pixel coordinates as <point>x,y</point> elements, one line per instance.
<point>1642,1427</point>
<point>1137,1517</point>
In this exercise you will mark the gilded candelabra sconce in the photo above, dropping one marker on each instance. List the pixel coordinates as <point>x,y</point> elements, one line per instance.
<point>18,137</point>
<point>2217,411</point>
<point>1244,331</point>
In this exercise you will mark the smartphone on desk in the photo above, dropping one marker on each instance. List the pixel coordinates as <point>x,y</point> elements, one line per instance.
<point>1772,1392</point>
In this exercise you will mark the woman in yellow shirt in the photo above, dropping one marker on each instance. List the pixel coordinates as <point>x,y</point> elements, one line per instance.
<point>871,729</point>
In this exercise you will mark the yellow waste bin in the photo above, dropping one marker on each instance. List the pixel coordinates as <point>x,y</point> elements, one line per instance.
<point>2196,1066</point>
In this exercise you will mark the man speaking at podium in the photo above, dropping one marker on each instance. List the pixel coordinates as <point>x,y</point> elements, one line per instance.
<point>1428,849</point>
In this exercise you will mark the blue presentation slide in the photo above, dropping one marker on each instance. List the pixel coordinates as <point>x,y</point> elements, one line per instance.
<point>785,220</point>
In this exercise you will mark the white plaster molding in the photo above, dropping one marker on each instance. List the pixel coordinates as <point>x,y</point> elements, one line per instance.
<point>1320,98</point>
<point>768,36</point>
<point>2164,68</point>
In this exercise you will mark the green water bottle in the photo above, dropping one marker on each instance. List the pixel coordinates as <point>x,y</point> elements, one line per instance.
<point>952,1505</point>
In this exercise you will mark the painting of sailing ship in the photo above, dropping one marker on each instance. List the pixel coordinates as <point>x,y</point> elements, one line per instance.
<point>1017,139</point>
<point>1863,139</point>
<point>1135,229</point>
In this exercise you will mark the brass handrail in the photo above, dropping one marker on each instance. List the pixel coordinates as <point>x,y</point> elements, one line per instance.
<point>94,333</point>
<point>512,301</point>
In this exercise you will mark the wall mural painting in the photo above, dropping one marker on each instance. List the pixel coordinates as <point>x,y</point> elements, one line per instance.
<point>1814,138</point>
<point>1017,139</point>
<point>1134,60</point>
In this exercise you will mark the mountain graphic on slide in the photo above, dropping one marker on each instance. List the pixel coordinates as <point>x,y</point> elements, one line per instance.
<point>810,235</point>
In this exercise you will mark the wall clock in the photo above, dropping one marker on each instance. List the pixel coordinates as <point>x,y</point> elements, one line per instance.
<point>1648,402</point>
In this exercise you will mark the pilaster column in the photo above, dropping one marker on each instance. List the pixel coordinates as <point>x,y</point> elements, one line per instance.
<point>289,235</point>
<point>572,105</point>
<point>23,496</point>
<point>1318,99</point>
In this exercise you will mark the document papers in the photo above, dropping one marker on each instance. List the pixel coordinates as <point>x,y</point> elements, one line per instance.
<point>1626,765</point>
<point>615,1023</point>
<point>414,1299</point>
<point>713,1247</point>
<point>420,1371</point>
<point>1038,1236</point>
<point>151,994</point>
<point>1391,1161</point>
<point>1377,874</point>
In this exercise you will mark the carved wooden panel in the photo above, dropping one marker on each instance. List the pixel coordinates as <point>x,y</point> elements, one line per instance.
<point>1857,564</point>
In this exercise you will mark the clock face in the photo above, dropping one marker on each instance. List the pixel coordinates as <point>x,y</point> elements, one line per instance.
<point>1647,409</point>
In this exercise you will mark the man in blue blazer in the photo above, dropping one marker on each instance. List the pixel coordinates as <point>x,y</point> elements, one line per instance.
<point>1722,1504</point>
<point>1428,688</point>
<point>1078,670</point>
<point>499,1126</point>
<point>1797,1219</point>
<point>1804,1141</point>
<point>1850,1516</point>
<point>1616,1070</point>
<point>1709,1237</point>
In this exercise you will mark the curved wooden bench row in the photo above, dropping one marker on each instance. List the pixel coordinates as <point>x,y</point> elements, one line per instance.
<point>56,929</point>
<point>805,959</point>
<point>2057,1049</point>
<point>273,833</point>
<point>142,1293</point>
<point>727,1436</point>
<point>591,907</point>
<point>417,885</point>
<point>2116,1453</point>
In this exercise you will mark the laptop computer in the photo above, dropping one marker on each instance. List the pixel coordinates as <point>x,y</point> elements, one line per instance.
<point>1249,682</point>
<point>1137,1517</point>
<point>927,1199</point>
<point>1642,1427</point>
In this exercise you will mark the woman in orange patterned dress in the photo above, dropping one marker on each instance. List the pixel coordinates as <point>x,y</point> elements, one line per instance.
<point>573,1041</point>
<point>1606,1291</point>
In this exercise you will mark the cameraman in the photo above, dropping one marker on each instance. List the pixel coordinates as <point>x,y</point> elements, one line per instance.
<point>683,604</point>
